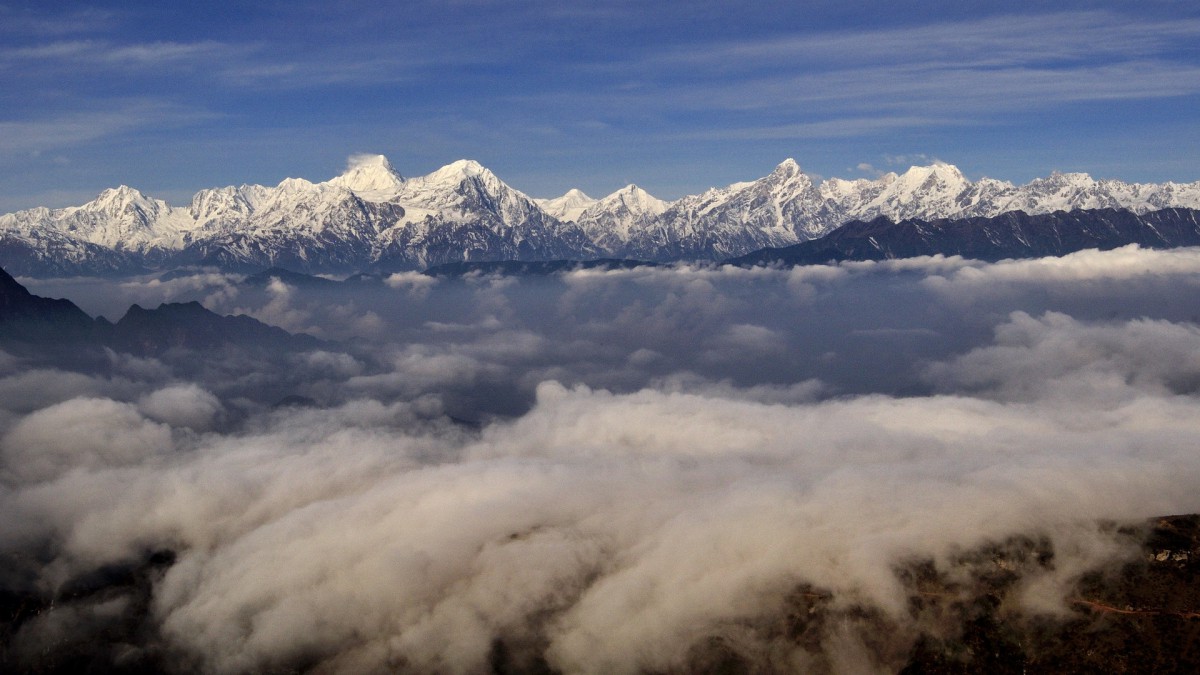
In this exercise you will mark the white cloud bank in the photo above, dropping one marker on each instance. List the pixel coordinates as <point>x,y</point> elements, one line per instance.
<point>614,529</point>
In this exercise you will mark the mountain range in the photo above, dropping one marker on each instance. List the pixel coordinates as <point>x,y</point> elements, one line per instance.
<point>372,218</point>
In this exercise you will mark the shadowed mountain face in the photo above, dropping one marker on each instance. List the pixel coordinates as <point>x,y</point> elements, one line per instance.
<point>29,318</point>
<point>189,325</point>
<point>1009,236</point>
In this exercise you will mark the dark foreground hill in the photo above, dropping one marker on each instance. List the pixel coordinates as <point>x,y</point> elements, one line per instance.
<point>31,324</point>
<point>31,318</point>
<point>188,325</point>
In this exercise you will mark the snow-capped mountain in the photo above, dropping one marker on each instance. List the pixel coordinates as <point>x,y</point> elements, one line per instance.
<point>463,211</point>
<point>567,207</point>
<point>786,207</point>
<point>917,192</point>
<point>368,217</point>
<point>119,218</point>
<point>779,209</point>
<point>372,217</point>
<point>368,175</point>
<point>615,221</point>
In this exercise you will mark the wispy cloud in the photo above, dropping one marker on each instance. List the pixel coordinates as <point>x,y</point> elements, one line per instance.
<point>999,41</point>
<point>236,65</point>
<point>293,73</point>
<point>30,137</point>
<point>100,54</point>
<point>921,88</point>
<point>920,75</point>
<point>836,128</point>
<point>18,22</point>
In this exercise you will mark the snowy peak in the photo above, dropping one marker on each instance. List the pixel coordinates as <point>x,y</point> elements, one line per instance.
<point>1076,182</point>
<point>787,180</point>
<point>369,173</point>
<point>621,217</point>
<point>1062,183</point>
<point>633,199</point>
<point>575,195</point>
<point>120,215</point>
<point>920,192</point>
<point>764,212</point>
<point>456,172</point>
<point>121,219</point>
<point>787,168</point>
<point>293,185</point>
<point>940,177</point>
<point>994,184</point>
<point>464,184</point>
<point>227,203</point>
<point>464,178</point>
<point>842,190</point>
<point>1066,191</point>
<point>123,200</point>
<point>567,207</point>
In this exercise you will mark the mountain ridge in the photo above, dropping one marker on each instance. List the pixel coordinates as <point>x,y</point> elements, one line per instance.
<point>371,217</point>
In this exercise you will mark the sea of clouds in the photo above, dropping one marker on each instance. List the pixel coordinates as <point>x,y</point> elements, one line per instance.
<point>593,471</point>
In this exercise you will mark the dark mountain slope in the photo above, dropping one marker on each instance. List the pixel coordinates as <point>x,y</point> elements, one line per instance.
<point>1010,235</point>
<point>30,323</point>
<point>189,325</point>
<point>31,318</point>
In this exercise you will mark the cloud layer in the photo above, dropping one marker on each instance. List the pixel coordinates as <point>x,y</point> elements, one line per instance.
<point>601,471</point>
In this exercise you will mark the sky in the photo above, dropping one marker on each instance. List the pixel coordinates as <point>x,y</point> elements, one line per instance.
<point>675,97</point>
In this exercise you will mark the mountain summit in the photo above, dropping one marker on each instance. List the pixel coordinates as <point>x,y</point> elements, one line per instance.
<point>567,207</point>
<point>369,173</point>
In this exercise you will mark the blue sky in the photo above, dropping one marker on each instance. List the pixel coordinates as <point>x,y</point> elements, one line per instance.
<point>174,97</point>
